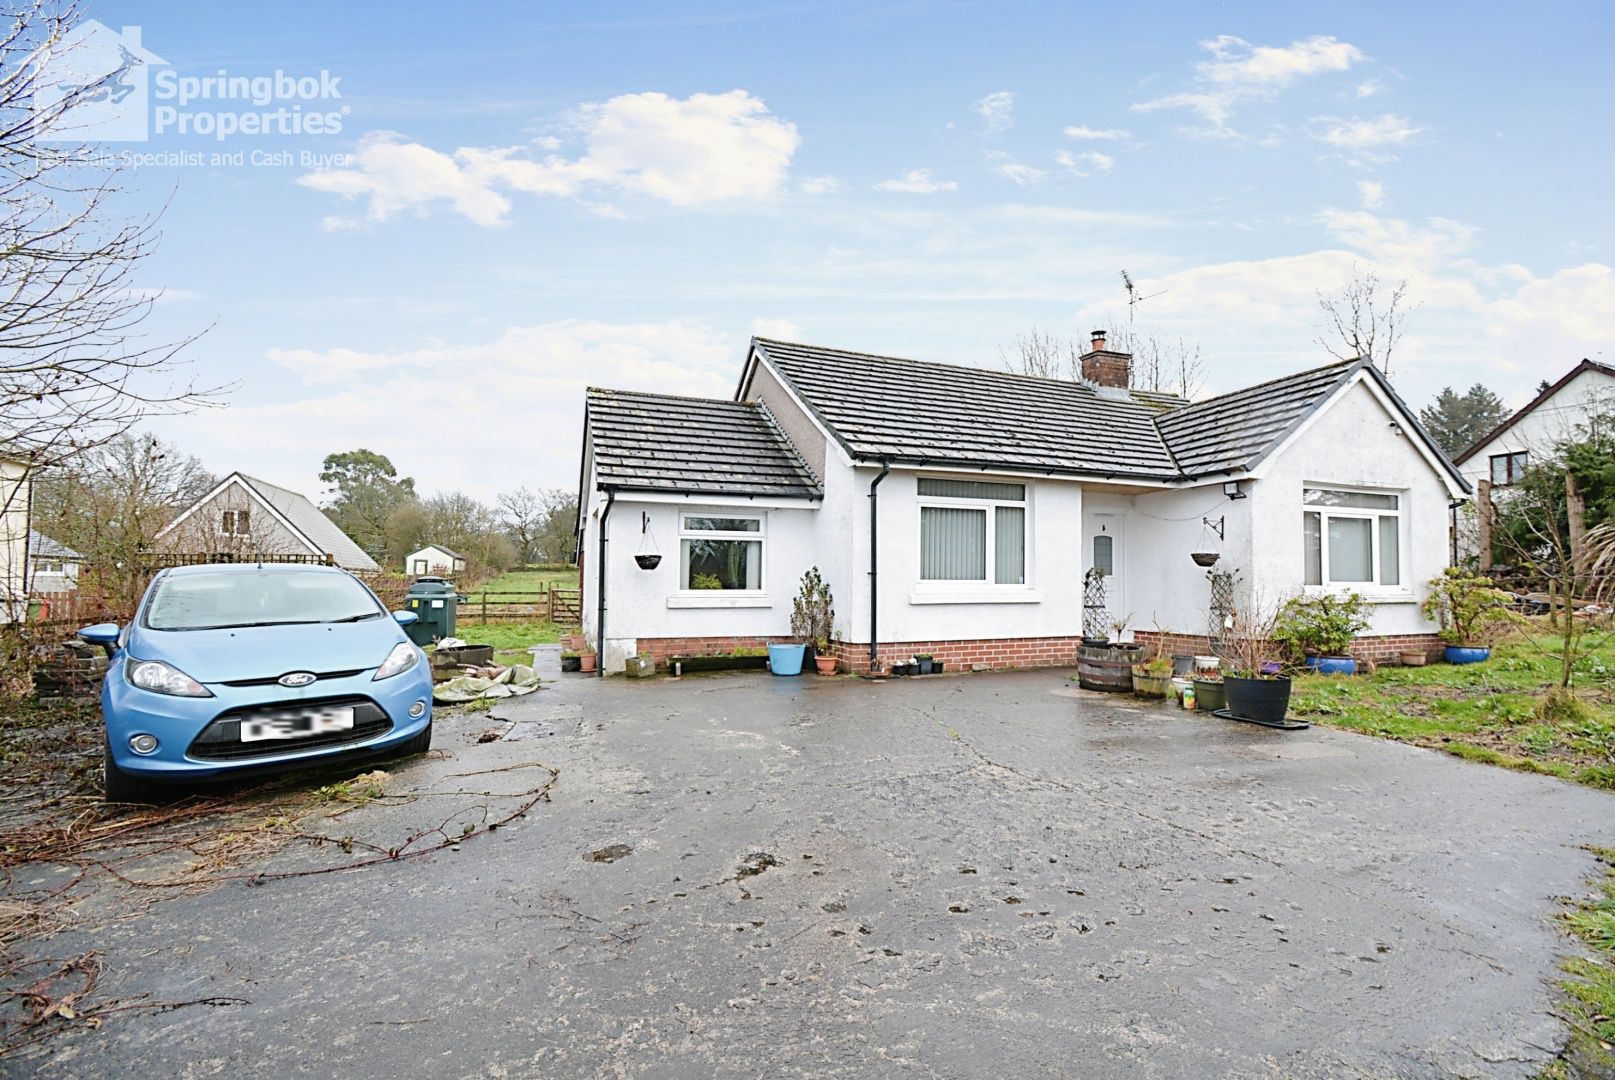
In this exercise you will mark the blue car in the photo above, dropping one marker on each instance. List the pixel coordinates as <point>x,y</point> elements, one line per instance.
<point>229,670</point>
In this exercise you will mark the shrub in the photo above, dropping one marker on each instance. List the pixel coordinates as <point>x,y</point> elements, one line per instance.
<point>1470,610</point>
<point>813,614</point>
<point>1324,624</point>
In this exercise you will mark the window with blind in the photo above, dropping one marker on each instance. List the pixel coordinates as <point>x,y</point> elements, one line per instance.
<point>1351,538</point>
<point>972,531</point>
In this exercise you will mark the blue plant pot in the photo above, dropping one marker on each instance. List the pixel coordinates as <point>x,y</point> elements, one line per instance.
<point>1332,665</point>
<point>786,659</point>
<point>1468,654</point>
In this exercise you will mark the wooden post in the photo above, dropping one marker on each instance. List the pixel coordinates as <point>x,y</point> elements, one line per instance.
<point>1483,509</point>
<point>1576,511</point>
<point>485,606</point>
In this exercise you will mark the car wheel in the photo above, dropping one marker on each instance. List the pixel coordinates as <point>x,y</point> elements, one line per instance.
<point>419,744</point>
<point>118,786</point>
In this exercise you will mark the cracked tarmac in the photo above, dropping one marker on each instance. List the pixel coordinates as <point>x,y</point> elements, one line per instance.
<point>949,877</point>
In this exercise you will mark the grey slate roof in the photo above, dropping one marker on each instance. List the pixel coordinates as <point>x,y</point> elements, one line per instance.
<point>883,407</point>
<point>653,442</point>
<point>307,519</point>
<point>1234,431</point>
<point>41,546</point>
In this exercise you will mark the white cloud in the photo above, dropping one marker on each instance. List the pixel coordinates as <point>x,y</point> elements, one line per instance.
<point>1565,316</point>
<point>1369,88</point>
<point>819,185</point>
<point>917,182</point>
<point>1084,162</point>
<point>524,387</point>
<point>1373,193</point>
<point>1360,134</point>
<point>704,148</point>
<point>1239,71</point>
<point>1079,131</point>
<point>779,329</point>
<point>1010,169</point>
<point>998,110</point>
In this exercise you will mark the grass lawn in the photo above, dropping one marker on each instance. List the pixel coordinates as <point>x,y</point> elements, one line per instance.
<point>508,636</point>
<point>528,581</point>
<point>1590,990</point>
<point>1483,712</point>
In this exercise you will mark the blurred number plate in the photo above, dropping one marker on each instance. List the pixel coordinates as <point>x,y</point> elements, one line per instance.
<point>295,725</point>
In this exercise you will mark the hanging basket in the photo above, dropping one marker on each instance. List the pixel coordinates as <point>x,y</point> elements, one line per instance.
<point>1205,558</point>
<point>648,562</point>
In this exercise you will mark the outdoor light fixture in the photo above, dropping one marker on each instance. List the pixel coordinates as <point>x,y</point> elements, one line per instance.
<point>1230,488</point>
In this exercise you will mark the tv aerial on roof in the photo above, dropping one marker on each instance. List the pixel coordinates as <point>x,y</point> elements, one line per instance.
<point>1133,299</point>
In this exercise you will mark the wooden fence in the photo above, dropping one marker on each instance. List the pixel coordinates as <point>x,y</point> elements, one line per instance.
<point>546,605</point>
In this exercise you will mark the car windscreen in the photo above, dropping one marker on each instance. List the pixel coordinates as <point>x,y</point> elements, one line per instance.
<point>216,601</point>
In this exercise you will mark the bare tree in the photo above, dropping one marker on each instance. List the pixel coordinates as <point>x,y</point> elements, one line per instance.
<point>1365,318</point>
<point>522,511</point>
<point>108,504</point>
<point>75,370</point>
<point>1043,355</point>
<point>1163,365</point>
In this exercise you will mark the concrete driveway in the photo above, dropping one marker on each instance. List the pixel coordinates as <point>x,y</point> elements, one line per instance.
<point>959,876</point>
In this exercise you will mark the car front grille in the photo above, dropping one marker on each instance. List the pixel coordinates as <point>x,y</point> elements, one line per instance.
<point>272,680</point>
<point>221,740</point>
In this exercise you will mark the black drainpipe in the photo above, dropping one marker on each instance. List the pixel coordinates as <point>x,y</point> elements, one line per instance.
<point>874,566</point>
<point>600,590</point>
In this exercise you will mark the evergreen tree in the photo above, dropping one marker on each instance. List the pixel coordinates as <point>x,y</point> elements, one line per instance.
<point>1456,420</point>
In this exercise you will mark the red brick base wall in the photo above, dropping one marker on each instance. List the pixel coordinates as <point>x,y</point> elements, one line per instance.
<point>995,653</point>
<point>663,647</point>
<point>1382,649</point>
<point>969,655</point>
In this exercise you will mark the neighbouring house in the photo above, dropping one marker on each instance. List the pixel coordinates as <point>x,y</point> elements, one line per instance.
<point>955,510</point>
<point>244,516</point>
<point>1553,416</point>
<point>15,495</point>
<point>52,567</point>
<point>434,559</point>
<point>1496,461</point>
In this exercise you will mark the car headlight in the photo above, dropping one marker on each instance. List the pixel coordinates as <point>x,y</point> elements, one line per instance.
<point>161,678</point>
<point>403,657</point>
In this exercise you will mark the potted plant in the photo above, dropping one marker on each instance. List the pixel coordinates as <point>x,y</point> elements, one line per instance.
<point>1471,611</point>
<point>1317,630</point>
<point>588,659</point>
<point>927,665</point>
<point>824,656</point>
<point>812,619</point>
<point>1152,678</point>
<point>569,660</point>
<point>1208,691</point>
<point>1255,687</point>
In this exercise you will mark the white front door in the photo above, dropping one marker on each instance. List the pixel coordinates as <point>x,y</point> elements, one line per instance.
<point>1107,550</point>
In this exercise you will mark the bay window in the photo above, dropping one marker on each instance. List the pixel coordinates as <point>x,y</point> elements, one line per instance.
<point>972,531</point>
<point>1351,538</point>
<point>721,552</point>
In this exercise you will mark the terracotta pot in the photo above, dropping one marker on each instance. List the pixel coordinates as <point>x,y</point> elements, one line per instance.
<point>825,664</point>
<point>587,661</point>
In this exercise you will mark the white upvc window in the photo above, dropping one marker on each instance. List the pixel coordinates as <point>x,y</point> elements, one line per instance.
<point>722,550</point>
<point>1352,539</point>
<point>972,532</point>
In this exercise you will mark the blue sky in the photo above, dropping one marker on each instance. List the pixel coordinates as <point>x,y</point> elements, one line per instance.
<point>528,199</point>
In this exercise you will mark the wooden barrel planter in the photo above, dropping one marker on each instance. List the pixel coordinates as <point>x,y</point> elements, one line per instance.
<point>1100,667</point>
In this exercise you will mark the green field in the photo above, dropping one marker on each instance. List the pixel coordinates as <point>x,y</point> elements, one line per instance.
<point>528,581</point>
<point>1482,712</point>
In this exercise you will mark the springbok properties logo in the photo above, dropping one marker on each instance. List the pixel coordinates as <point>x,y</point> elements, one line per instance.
<point>98,85</point>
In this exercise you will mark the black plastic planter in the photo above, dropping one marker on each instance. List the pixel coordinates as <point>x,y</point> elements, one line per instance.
<point>648,562</point>
<point>1264,701</point>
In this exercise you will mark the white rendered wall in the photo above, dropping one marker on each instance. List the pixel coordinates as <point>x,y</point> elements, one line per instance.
<point>1352,444</point>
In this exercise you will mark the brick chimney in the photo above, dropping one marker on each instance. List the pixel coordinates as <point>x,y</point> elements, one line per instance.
<point>1102,367</point>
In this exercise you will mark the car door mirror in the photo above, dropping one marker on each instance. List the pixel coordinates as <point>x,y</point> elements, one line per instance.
<point>101,634</point>
<point>404,618</point>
